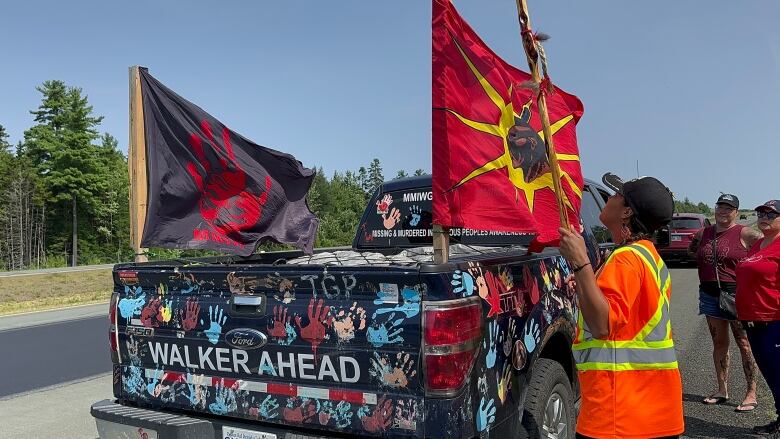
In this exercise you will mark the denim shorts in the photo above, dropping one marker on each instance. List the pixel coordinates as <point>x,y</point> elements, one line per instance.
<point>709,306</point>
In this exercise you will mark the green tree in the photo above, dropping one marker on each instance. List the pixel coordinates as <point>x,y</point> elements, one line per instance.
<point>419,172</point>
<point>401,174</point>
<point>73,170</point>
<point>375,177</point>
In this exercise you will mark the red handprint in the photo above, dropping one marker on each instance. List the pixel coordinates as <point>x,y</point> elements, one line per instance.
<point>380,419</point>
<point>300,414</point>
<point>149,313</point>
<point>190,319</point>
<point>495,288</point>
<point>225,204</point>
<point>319,320</point>
<point>279,323</point>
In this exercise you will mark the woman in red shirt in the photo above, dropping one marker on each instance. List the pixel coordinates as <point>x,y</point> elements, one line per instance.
<point>758,303</point>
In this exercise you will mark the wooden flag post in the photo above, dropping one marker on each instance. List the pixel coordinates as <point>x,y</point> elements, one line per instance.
<point>136,164</point>
<point>532,54</point>
<point>441,244</point>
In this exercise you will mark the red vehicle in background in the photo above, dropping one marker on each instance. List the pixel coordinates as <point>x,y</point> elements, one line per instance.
<point>681,230</point>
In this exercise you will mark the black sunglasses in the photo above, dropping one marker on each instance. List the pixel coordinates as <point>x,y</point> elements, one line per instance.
<point>767,214</point>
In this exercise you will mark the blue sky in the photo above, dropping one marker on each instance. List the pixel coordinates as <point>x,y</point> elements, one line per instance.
<point>690,93</point>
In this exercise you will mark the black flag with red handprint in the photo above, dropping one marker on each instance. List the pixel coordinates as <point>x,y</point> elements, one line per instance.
<point>210,187</point>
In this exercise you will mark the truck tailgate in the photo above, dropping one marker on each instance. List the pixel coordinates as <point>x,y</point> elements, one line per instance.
<point>307,346</point>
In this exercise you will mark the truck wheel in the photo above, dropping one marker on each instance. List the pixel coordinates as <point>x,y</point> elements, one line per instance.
<point>549,403</point>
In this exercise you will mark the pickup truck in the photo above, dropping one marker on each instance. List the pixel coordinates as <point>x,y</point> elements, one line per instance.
<point>372,340</point>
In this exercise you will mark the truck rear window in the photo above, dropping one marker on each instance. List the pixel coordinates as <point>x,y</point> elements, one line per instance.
<point>402,219</point>
<point>686,223</point>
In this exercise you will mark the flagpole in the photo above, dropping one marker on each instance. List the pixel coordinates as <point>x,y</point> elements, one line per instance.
<point>532,54</point>
<point>136,164</point>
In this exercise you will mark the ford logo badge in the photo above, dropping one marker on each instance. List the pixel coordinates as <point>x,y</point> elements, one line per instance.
<point>245,338</point>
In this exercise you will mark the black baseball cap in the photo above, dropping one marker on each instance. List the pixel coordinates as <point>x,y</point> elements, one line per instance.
<point>650,200</point>
<point>728,199</point>
<point>773,205</point>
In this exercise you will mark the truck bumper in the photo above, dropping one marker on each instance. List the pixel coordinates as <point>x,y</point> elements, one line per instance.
<point>115,420</point>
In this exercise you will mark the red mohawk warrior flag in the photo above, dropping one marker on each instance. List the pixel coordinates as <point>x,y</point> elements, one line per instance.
<point>490,166</point>
<point>211,188</point>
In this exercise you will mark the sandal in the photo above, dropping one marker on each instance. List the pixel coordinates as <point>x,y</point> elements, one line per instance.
<point>715,400</point>
<point>746,407</point>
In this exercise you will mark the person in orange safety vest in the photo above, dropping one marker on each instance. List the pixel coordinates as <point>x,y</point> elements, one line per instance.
<point>630,383</point>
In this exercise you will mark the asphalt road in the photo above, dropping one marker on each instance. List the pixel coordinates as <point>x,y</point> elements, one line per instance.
<point>19,273</point>
<point>44,352</point>
<point>73,354</point>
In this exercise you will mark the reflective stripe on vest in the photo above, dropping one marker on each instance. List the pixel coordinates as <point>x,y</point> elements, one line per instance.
<point>651,349</point>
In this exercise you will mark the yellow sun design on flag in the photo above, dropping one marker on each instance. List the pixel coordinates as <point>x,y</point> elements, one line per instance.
<point>502,130</point>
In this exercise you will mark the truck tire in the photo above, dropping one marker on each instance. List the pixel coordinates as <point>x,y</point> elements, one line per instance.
<point>549,403</point>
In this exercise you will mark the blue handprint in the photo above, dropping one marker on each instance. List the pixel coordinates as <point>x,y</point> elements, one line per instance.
<point>156,380</point>
<point>415,211</point>
<point>490,359</point>
<point>196,384</point>
<point>463,283</point>
<point>343,414</point>
<point>486,414</point>
<point>410,307</point>
<point>133,381</point>
<point>225,400</point>
<point>268,408</point>
<point>385,333</point>
<point>531,335</point>
<point>129,307</point>
<point>217,319</point>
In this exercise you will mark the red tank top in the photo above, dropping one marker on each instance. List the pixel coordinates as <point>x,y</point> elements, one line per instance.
<point>730,252</point>
<point>758,290</point>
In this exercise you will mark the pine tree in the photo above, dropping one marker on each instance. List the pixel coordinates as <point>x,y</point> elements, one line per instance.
<point>419,172</point>
<point>401,174</point>
<point>375,177</point>
<point>72,169</point>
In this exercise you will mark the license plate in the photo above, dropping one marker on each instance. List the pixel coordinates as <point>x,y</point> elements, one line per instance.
<point>240,433</point>
<point>676,238</point>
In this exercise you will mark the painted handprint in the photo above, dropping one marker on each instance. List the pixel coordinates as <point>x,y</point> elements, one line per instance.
<point>196,385</point>
<point>406,414</point>
<point>268,408</point>
<point>495,288</point>
<point>133,351</point>
<point>380,418</point>
<point>389,332</point>
<point>462,283</point>
<point>383,205</point>
<point>395,375</point>
<point>342,415</point>
<point>490,345</point>
<point>531,335</point>
<point>475,270</point>
<point>346,322</point>
<point>225,202</point>
<point>133,381</point>
<point>149,313</point>
<point>504,381</point>
<point>165,313</point>
<point>390,221</point>
<point>319,321</point>
<point>189,316</point>
<point>217,319</point>
<point>225,401</point>
<point>299,410</point>
<point>510,337</point>
<point>281,328</point>
<point>486,414</point>
<point>414,211</point>
<point>155,386</point>
<point>410,306</point>
<point>130,307</point>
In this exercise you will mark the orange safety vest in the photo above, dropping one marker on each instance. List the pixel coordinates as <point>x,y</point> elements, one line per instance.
<point>631,386</point>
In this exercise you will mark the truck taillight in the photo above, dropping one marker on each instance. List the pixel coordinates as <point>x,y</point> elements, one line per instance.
<point>451,333</point>
<point>113,335</point>
<point>112,309</point>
